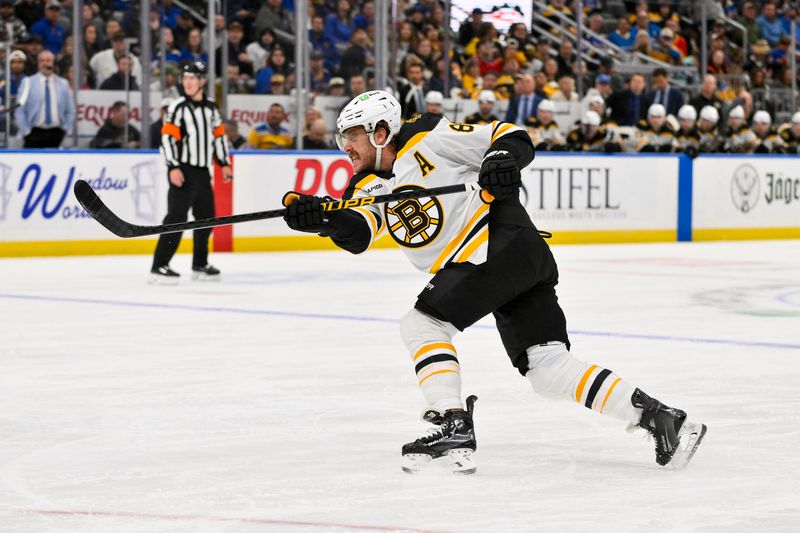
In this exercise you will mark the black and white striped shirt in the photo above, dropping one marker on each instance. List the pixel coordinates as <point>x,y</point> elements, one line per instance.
<point>193,133</point>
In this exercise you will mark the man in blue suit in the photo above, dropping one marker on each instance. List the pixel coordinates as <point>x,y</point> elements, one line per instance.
<point>662,93</point>
<point>525,104</point>
<point>46,110</point>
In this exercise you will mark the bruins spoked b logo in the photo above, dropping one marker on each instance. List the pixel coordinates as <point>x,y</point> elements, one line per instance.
<point>414,222</point>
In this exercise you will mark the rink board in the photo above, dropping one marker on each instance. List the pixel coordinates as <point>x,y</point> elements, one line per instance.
<point>586,198</point>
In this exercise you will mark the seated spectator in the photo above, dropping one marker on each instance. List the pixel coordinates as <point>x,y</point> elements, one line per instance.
<point>49,29</point>
<point>769,141</point>
<point>336,87</point>
<point>358,56</point>
<point>276,64</point>
<point>193,51</point>
<point>277,84</point>
<point>790,135</point>
<point>566,90</point>
<point>434,101</point>
<point>771,27</point>
<point>664,49</point>
<point>19,32</point>
<point>318,74</point>
<point>237,53</point>
<point>357,85</point>
<point>274,16</point>
<point>118,80</point>
<point>316,138</point>
<point>470,27</point>
<point>629,106</point>
<point>172,54</point>
<point>566,59</point>
<point>718,64</point>
<point>488,57</point>
<point>739,138</point>
<point>338,26</point>
<point>710,141</point>
<point>759,55</point>
<point>623,36</point>
<point>748,19</point>
<point>271,135</point>
<point>184,25</point>
<point>104,64</point>
<point>259,50</point>
<point>778,58</point>
<point>366,18</point>
<point>322,43</point>
<point>645,25</point>
<point>544,131</point>
<point>112,133</point>
<point>655,133</point>
<point>155,127</point>
<point>235,139</point>
<point>484,115</point>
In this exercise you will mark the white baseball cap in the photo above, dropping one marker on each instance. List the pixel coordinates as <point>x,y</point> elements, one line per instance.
<point>434,97</point>
<point>656,110</point>
<point>762,117</point>
<point>687,112</point>
<point>710,114</point>
<point>546,105</point>
<point>590,118</point>
<point>486,96</point>
<point>736,112</point>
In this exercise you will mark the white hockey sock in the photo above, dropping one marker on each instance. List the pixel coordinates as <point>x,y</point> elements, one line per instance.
<point>434,357</point>
<point>555,373</point>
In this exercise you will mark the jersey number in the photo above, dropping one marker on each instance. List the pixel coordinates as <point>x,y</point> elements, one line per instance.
<point>460,127</point>
<point>425,166</point>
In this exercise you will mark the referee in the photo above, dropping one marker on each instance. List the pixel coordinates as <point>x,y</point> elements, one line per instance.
<point>192,134</point>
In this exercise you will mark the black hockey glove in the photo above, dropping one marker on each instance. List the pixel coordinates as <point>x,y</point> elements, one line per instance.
<point>304,212</point>
<point>499,175</point>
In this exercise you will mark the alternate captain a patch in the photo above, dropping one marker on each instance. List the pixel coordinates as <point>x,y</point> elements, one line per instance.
<point>413,223</point>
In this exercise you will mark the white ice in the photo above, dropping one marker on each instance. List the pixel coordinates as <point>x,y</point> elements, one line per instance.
<point>278,399</point>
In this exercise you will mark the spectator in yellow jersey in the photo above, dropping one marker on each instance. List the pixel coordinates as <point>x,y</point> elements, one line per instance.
<point>272,135</point>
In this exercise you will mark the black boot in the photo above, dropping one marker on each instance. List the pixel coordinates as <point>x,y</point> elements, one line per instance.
<point>668,427</point>
<point>454,437</point>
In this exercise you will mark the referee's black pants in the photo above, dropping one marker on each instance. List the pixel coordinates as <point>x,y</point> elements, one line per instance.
<point>197,194</point>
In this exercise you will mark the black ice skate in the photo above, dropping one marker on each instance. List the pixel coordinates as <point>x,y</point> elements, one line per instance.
<point>205,273</point>
<point>676,438</point>
<point>164,275</point>
<point>454,438</point>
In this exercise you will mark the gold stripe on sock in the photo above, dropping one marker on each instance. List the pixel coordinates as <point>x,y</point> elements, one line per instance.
<point>608,394</point>
<point>436,345</point>
<point>582,384</point>
<point>437,372</point>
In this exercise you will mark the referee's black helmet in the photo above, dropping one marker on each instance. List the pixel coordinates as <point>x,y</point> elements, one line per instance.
<point>196,68</point>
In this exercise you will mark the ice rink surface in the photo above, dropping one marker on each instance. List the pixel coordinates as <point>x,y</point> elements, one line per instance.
<point>277,400</point>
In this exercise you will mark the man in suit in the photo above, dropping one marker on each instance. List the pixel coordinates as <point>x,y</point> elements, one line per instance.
<point>630,105</point>
<point>412,94</point>
<point>525,104</point>
<point>662,93</point>
<point>46,110</point>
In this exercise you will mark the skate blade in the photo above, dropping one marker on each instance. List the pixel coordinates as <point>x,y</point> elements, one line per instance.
<point>691,437</point>
<point>462,461</point>
<point>156,279</point>
<point>415,462</point>
<point>200,276</point>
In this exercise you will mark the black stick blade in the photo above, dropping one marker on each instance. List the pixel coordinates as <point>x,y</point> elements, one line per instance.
<point>100,212</point>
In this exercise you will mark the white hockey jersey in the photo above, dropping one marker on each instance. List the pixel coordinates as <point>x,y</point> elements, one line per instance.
<point>433,152</point>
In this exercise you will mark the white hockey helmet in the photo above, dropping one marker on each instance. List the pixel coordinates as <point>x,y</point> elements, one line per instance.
<point>796,118</point>
<point>762,117</point>
<point>590,118</point>
<point>597,99</point>
<point>657,110</point>
<point>710,114</point>
<point>687,112</point>
<point>736,112</point>
<point>546,105</point>
<point>434,97</point>
<point>368,110</point>
<point>487,96</point>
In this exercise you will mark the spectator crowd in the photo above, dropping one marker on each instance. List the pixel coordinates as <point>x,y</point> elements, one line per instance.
<point>530,73</point>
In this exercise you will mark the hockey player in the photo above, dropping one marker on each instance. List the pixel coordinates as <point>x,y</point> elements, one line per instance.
<point>769,142</point>
<point>687,137</point>
<point>485,256</point>
<point>790,135</point>
<point>655,133</point>
<point>590,136</point>
<point>740,139</point>
<point>544,131</point>
<point>710,141</point>
<point>484,115</point>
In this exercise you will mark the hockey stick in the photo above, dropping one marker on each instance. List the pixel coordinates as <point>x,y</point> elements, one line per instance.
<point>93,205</point>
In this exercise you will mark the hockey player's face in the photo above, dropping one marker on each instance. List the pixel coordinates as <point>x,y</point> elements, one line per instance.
<point>761,128</point>
<point>656,122</point>
<point>686,124</point>
<point>360,151</point>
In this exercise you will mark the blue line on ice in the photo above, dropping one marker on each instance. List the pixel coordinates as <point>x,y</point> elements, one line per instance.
<point>326,316</point>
